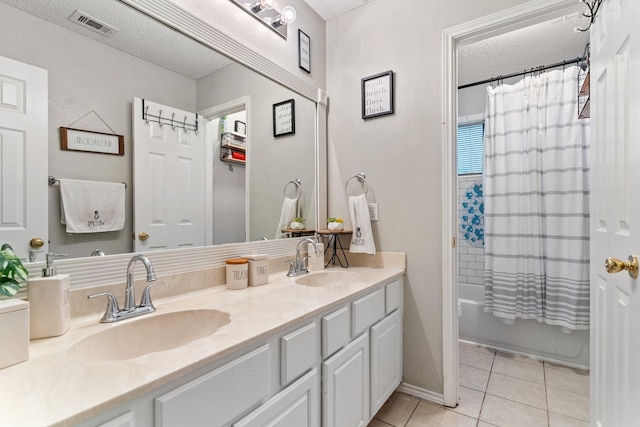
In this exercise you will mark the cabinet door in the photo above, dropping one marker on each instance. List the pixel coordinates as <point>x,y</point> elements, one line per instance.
<point>124,420</point>
<point>297,405</point>
<point>345,386</point>
<point>386,359</point>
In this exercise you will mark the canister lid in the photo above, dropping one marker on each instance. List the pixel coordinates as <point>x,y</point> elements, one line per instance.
<point>7,306</point>
<point>256,257</point>
<point>237,261</point>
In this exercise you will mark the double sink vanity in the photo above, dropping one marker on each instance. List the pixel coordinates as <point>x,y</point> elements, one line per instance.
<point>324,348</point>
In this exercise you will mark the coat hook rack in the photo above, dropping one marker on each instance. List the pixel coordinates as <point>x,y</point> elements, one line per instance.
<point>594,6</point>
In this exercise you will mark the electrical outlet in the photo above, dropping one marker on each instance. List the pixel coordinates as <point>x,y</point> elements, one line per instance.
<point>373,211</point>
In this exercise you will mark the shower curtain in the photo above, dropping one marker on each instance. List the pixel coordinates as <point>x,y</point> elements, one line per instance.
<point>537,201</point>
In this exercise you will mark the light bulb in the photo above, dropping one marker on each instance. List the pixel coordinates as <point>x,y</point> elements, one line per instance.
<point>267,20</point>
<point>288,14</point>
<point>268,4</point>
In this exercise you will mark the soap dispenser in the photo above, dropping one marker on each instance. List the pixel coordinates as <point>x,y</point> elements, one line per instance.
<point>316,260</point>
<point>50,314</point>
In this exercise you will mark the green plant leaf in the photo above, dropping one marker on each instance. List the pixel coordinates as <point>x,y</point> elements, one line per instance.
<point>11,271</point>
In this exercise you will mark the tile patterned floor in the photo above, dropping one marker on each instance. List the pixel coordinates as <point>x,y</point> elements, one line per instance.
<point>499,390</point>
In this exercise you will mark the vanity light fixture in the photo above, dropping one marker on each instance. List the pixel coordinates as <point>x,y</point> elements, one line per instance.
<point>266,12</point>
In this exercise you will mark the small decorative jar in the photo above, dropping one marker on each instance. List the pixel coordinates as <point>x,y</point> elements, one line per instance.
<point>335,224</point>
<point>298,224</point>
<point>237,273</point>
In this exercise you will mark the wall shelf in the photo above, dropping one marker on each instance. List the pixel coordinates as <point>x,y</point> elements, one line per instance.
<point>233,146</point>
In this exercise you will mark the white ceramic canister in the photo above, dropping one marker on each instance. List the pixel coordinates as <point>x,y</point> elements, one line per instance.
<point>258,269</point>
<point>237,273</point>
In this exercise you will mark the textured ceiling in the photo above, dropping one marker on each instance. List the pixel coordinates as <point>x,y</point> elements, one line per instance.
<point>139,35</point>
<point>329,9</point>
<point>541,44</point>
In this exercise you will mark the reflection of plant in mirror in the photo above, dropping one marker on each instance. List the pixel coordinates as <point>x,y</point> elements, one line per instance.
<point>297,224</point>
<point>11,271</point>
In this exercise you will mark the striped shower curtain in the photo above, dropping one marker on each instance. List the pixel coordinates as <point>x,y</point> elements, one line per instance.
<point>537,202</point>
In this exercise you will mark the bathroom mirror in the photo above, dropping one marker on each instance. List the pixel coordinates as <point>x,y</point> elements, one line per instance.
<point>95,71</point>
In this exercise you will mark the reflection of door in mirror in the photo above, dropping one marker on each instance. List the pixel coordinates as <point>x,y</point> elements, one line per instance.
<point>23,155</point>
<point>169,177</point>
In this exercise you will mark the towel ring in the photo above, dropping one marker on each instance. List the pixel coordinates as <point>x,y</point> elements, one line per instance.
<point>297,183</point>
<point>362,178</point>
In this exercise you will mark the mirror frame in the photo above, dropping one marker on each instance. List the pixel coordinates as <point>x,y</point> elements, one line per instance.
<point>93,271</point>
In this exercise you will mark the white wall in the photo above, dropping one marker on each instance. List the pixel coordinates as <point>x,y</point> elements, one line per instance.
<point>400,154</point>
<point>86,76</point>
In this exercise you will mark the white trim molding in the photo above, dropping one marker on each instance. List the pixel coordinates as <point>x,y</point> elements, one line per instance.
<point>520,16</point>
<point>421,393</point>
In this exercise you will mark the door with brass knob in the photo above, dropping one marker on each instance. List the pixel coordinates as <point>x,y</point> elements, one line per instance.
<point>36,242</point>
<point>143,236</point>
<point>615,265</point>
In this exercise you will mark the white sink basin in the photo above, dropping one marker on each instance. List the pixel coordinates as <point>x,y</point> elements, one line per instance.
<point>327,278</point>
<point>143,335</point>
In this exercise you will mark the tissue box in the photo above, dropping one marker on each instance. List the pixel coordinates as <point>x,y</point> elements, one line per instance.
<point>258,269</point>
<point>14,332</point>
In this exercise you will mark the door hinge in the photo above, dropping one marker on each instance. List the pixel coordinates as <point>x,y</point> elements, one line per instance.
<point>453,242</point>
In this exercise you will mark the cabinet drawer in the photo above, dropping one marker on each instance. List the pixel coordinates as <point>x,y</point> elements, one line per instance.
<point>366,311</point>
<point>298,352</point>
<point>296,405</point>
<point>219,396</point>
<point>335,331</point>
<point>393,296</point>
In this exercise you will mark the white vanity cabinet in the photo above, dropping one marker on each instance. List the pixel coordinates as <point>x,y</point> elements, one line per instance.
<point>335,369</point>
<point>359,378</point>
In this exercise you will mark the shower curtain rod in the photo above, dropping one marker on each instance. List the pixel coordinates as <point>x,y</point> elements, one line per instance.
<point>523,73</point>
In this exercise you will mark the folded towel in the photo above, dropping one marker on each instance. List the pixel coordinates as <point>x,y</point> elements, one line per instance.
<point>287,214</point>
<point>362,238</point>
<point>91,206</point>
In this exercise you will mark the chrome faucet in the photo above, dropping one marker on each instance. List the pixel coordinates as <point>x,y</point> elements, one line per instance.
<point>298,266</point>
<point>113,312</point>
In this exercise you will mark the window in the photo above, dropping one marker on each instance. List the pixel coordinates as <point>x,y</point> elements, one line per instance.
<point>470,139</point>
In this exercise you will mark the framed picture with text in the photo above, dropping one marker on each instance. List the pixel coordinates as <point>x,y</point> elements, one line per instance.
<point>284,118</point>
<point>304,51</point>
<point>377,95</point>
<point>92,142</point>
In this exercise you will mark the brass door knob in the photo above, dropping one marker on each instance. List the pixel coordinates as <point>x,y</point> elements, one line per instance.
<point>36,242</point>
<point>615,265</point>
<point>143,236</point>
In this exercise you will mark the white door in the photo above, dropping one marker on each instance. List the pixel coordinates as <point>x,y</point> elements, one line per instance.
<point>615,214</point>
<point>169,179</point>
<point>23,155</point>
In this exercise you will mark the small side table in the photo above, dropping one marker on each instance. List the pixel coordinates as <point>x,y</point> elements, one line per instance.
<point>333,237</point>
<point>298,232</point>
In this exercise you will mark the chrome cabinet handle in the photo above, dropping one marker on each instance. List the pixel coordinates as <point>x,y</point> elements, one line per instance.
<point>615,265</point>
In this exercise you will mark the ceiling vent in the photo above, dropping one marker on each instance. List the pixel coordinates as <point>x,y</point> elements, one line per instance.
<point>92,23</point>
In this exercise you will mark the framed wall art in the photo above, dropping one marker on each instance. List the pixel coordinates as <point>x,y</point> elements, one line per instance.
<point>304,51</point>
<point>377,95</point>
<point>93,142</point>
<point>284,118</point>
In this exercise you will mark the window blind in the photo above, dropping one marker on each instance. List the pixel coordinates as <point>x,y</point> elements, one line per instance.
<point>470,141</point>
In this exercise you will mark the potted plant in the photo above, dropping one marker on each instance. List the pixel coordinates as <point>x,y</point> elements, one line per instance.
<point>335,224</point>
<point>12,272</point>
<point>297,224</point>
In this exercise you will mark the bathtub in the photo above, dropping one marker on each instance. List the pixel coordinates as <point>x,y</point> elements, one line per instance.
<point>524,337</point>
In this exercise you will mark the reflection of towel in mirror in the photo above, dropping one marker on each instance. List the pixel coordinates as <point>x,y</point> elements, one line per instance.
<point>91,206</point>
<point>287,214</point>
<point>362,238</point>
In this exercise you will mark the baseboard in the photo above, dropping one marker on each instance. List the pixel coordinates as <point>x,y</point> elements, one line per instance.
<point>422,393</point>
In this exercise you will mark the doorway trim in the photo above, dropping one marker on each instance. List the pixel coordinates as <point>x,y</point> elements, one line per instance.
<point>530,13</point>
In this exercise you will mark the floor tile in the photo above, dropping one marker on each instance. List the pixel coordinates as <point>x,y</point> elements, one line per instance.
<point>519,358</point>
<point>506,413</point>
<point>476,359</point>
<point>483,424</point>
<point>567,403</point>
<point>378,423</point>
<point>474,378</point>
<point>569,379</point>
<point>470,402</point>
<point>527,392</point>
<point>477,347</point>
<point>517,369</point>
<point>397,410</point>
<point>430,415</point>
<point>557,420</point>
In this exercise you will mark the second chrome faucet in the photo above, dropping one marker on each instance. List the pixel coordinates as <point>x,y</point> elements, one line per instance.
<point>113,313</point>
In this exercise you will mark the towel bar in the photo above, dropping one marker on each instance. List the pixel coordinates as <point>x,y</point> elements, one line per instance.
<point>52,180</point>
<point>298,188</point>
<point>362,178</point>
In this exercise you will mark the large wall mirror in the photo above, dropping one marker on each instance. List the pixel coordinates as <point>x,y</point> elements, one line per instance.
<point>94,74</point>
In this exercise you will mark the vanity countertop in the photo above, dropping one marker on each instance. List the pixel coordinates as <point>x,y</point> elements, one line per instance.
<point>53,388</point>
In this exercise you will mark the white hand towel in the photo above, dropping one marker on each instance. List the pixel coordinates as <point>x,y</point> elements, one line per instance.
<point>91,206</point>
<point>287,214</point>
<point>362,238</point>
